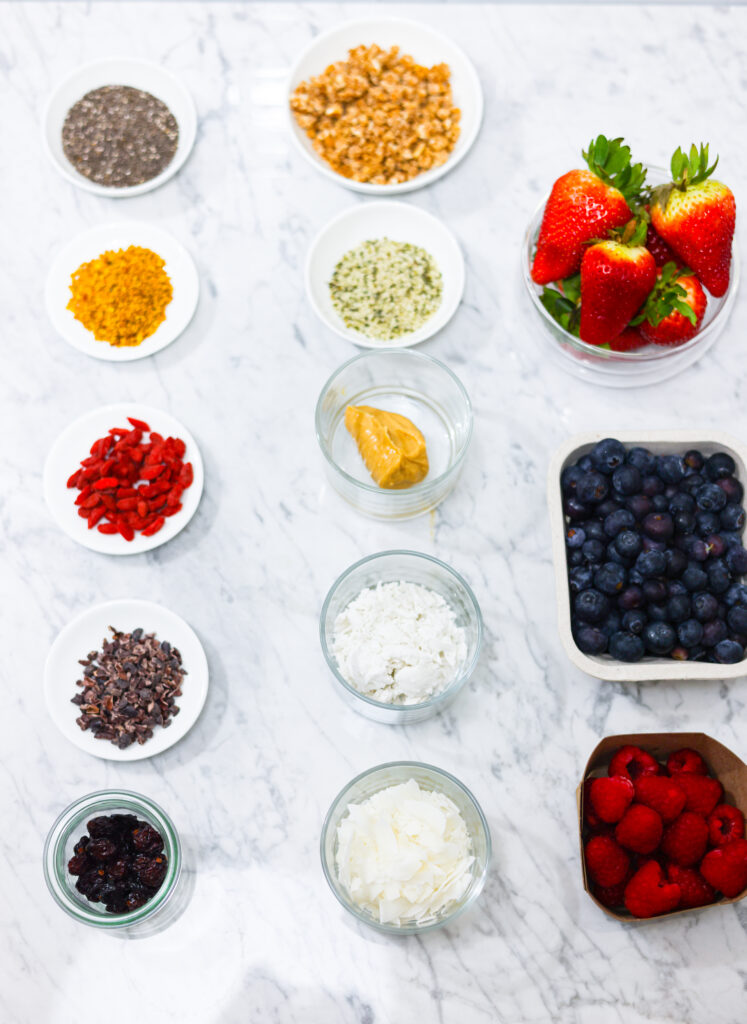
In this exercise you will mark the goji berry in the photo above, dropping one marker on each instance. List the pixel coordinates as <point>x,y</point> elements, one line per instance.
<point>108,528</point>
<point>105,482</point>
<point>91,501</point>
<point>126,492</point>
<point>140,424</point>
<point>83,495</point>
<point>96,514</point>
<point>172,511</point>
<point>154,527</point>
<point>83,513</point>
<point>73,480</point>
<point>127,532</point>
<point>151,472</point>
<point>126,504</point>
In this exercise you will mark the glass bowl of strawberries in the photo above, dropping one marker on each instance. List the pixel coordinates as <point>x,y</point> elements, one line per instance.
<point>632,271</point>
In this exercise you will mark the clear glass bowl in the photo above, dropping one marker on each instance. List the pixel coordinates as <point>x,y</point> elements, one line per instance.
<point>66,832</point>
<point>647,365</point>
<point>412,567</point>
<point>411,384</point>
<point>427,777</point>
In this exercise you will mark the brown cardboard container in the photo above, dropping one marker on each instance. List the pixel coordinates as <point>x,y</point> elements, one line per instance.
<point>725,765</point>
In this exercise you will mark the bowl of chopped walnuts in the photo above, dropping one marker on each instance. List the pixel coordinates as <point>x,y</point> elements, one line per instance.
<point>384,105</point>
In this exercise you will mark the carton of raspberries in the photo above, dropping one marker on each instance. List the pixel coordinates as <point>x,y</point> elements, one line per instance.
<point>661,824</point>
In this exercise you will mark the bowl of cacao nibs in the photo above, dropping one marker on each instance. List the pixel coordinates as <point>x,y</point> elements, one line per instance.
<point>125,680</point>
<point>648,535</point>
<point>112,859</point>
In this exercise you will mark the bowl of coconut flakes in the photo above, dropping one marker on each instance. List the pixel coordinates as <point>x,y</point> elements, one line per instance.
<point>401,632</point>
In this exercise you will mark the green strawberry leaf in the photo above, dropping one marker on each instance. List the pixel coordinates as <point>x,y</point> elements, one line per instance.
<point>562,310</point>
<point>609,159</point>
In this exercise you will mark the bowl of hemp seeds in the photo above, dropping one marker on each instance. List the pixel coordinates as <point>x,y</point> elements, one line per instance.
<point>119,127</point>
<point>385,275</point>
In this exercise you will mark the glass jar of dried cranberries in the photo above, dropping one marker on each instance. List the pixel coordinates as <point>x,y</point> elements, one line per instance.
<point>116,816</point>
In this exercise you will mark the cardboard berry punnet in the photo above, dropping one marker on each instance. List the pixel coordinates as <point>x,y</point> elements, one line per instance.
<point>730,770</point>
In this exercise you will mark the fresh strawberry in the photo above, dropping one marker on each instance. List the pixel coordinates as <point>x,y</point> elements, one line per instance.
<point>726,868</point>
<point>695,215</point>
<point>584,205</point>
<point>694,890</point>
<point>616,278</point>
<point>662,794</point>
<point>633,762</point>
<point>648,893</point>
<point>702,793</point>
<point>606,861</point>
<point>658,247</point>
<point>630,339</point>
<point>674,310</point>
<point>725,824</point>
<point>640,829</point>
<point>686,760</point>
<point>611,896</point>
<point>611,797</point>
<point>686,839</point>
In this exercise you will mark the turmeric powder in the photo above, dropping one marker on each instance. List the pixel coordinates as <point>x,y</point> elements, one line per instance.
<point>122,295</point>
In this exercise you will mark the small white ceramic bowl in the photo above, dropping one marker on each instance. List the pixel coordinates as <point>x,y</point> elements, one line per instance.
<point>399,222</point>
<point>427,47</point>
<point>74,443</point>
<point>91,244</point>
<point>86,633</point>
<point>138,74</point>
<point>660,442</point>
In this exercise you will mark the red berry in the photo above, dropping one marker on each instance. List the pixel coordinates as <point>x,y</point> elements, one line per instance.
<point>662,794</point>
<point>648,893</point>
<point>701,792</point>
<point>686,760</point>
<point>612,896</point>
<point>632,761</point>
<point>725,824</point>
<point>686,839</point>
<point>726,868</point>
<point>606,862</point>
<point>640,829</point>
<point>611,797</point>
<point>694,890</point>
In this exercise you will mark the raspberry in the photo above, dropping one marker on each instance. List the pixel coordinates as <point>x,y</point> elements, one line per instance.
<point>632,761</point>
<point>611,797</point>
<point>648,893</point>
<point>725,824</point>
<point>686,839</point>
<point>612,896</point>
<point>694,890</point>
<point>726,868</point>
<point>702,793</point>
<point>663,795</point>
<point>606,862</point>
<point>639,829</point>
<point>687,761</point>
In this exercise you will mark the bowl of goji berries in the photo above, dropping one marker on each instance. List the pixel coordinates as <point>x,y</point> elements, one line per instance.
<point>123,479</point>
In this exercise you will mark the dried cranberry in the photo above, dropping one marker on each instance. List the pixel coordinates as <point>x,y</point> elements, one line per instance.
<point>102,826</point>
<point>151,871</point>
<point>101,849</point>
<point>137,897</point>
<point>147,840</point>
<point>118,869</point>
<point>78,864</point>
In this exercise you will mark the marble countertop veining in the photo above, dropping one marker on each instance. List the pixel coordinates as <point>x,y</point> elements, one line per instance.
<point>262,938</point>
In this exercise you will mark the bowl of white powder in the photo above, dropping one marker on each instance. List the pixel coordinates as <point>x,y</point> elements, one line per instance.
<point>405,847</point>
<point>401,632</point>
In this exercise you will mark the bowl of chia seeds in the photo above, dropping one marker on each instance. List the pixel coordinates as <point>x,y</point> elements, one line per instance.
<point>119,127</point>
<point>385,275</point>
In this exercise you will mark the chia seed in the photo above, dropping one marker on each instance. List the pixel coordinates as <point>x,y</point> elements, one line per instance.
<point>119,136</point>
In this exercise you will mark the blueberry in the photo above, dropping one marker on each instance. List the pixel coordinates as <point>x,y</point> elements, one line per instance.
<point>611,624</point>
<point>590,640</point>
<point>692,483</point>
<point>737,619</point>
<point>628,543</point>
<point>695,548</point>
<point>678,608</point>
<point>607,455</point>
<point>651,485</point>
<point>694,577</point>
<point>732,517</point>
<point>591,488</point>
<point>626,647</point>
<point>707,523</point>
<point>631,597</point>
<point>659,638</point>
<point>593,551</point>
<point>681,502</point>
<point>731,539</point>
<point>719,465</point>
<point>736,594</point>
<point>660,503</point>
<point>655,590</point>
<point>569,478</point>
<point>732,488</point>
<point>575,537</point>
<point>635,577</point>
<point>690,632</point>
<point>671,468</point>
<point>626,480</point>
<point>634,621</point>
<point>736,559</point>
<point>719,577</point>
<point>613,555</point>
<point>705,606</point>
<point>694,460</point>
<point>591,606</point>
<point>675,587</point>
<point>617,521</point>
<point>575,509</point>
<point>716,544</point>
<point>639,505</point>
<point>575,557</point>
<point>606,508</point>
<point>653,545</point>
<point>658,525</point>
<point>684,522</point>
<point>728,652</point>
<point>642,459</point>
<point>610,578</point>
<point>585,463</point>
<point>580,578</point>
<point>714,632</point>
<point>710,498</point>
<point>651,563</point>
<point>676,562</point>
<point>593,530</point>
<point>658,612</point>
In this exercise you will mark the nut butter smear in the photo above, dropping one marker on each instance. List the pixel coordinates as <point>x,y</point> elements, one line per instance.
<point>391,446</point>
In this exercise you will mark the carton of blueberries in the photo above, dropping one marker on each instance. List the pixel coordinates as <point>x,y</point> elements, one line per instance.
<point>661,825</point>
<point>647,534</point>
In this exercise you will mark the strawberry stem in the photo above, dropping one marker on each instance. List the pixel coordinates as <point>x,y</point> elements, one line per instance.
<point>692,168</point>
<point>609,159</point>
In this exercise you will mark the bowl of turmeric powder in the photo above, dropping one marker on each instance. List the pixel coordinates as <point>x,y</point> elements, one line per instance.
<point>394,427</point>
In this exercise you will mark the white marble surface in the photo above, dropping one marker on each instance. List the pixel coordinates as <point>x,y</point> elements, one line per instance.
<point>262,938</point>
